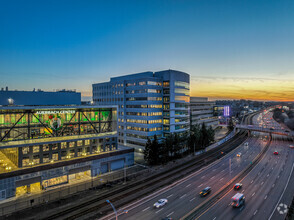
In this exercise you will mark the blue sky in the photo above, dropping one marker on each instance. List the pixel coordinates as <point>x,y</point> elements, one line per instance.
<point>72,44</point>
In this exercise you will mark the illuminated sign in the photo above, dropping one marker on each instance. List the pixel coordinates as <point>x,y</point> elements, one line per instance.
<point>56,112</point>
<point>226,111</point>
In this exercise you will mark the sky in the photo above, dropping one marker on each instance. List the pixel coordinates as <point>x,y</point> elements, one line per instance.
<point>231,49</point>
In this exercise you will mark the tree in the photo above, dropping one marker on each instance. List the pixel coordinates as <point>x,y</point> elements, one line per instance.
<point>211,134</point>
<point>231,124</point>
<point>204,136</point>
<point>151,152</point>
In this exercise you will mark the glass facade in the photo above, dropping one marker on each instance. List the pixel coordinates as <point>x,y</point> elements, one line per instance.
<point>35,124</point>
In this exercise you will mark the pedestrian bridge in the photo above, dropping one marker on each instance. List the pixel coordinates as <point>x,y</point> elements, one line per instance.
<point>266,130</point>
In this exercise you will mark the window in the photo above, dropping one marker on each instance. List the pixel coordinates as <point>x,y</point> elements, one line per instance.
<point>165,121</point>
<point>25,150</point>
<point>63,145</point>
<point>154,83</point>
<point>182,84</point>
<point>166,84</point>
<point>36,149</point>
<point>45,147</point>
<point>182,98</point>
<point>80,143</point>
<point>182,91</point>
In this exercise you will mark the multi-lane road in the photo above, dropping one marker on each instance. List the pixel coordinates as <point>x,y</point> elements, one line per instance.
<point>265,186</point>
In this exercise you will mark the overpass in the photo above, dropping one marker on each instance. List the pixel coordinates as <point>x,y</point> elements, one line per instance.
<point>265,130</point>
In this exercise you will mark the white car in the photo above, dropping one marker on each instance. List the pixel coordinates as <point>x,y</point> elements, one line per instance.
<point>160,203</point>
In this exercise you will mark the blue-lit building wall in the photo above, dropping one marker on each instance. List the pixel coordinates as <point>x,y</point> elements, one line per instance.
<point>149,104</point>
<point>40,98</point>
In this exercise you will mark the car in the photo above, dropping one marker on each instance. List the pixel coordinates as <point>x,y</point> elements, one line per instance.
<point>246,144</point>
<point>239,154</point>
<point>160,203</point>
<point>205,191</point>
<point>238,200</point>
<point>276,152</point>
<point>238,186</point>
<point>291,146</point>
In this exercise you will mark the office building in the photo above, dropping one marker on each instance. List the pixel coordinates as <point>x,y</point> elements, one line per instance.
<point>39,97</point>
<point>149,103</point>
<point>202,111</point>
<point>41,147</point>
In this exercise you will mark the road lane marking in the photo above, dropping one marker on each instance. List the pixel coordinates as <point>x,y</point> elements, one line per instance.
<point>255,212</point>
<point>221,179</point>
<point>188,185</point>
<point>212,177</point>
<point>222,170</point>
<point>200,185</point>
<point>262,183</point>
<point>273,185</point>
<point>252,181</point>
<point>243,190</point>
<point>265,197</point>
<point>146,209</point>
<point>159,210</point>
<point>202,177</point>
<point>267,175</point>
<point>170,214</point>
<point>170,195</point>
<point>214,218</point>
<point>192,199</point>
<point>253,194</point>
<point>242,208</point>
<point>214,169</point>
<point>183,196</point>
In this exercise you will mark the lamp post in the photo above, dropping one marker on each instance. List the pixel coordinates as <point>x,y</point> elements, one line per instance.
<point>115,212</point>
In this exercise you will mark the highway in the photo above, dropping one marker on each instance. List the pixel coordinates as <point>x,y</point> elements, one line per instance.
<point>265,187</point>
<point>183,197</point>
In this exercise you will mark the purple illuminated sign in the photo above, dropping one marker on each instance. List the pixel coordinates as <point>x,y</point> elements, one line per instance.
<point>226,111</point>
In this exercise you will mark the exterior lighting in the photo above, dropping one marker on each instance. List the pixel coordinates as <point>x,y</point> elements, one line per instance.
<point>10,101</point>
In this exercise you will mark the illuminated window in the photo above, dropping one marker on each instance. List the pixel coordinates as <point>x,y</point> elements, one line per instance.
<point>36,149</point>
<point>25,150</point>
<point>45,147</point>
<point>63,145</point>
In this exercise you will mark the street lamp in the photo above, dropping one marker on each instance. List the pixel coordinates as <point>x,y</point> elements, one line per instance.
<point>115,212</point>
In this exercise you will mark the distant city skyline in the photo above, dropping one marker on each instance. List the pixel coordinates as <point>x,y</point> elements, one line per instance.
<point>231,49</point>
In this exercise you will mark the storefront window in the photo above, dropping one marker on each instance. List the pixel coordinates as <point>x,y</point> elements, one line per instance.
<point>80,143</point>
<point>71,144</point>
<point>55,181</point>
<point>54,146</point>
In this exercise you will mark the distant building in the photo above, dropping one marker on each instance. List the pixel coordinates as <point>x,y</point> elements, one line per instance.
<point>39,97</point>
<point>202,111</point>
<point>42,147</point>
<point>148,104</point>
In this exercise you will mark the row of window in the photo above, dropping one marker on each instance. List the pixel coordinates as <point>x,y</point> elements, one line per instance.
<point>182,84</point>
<point>143,129</point>
<point>145,113</point>
<point>144,106</point>
<point>144,99</point>
<point>144,121</point>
